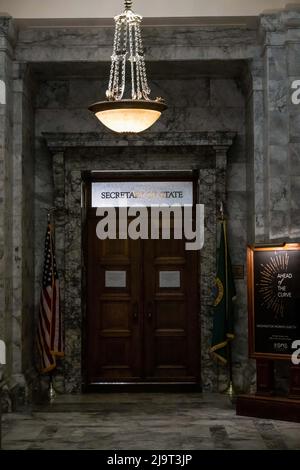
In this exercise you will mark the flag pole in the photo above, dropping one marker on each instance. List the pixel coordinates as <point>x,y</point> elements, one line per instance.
<point>229,391</point>
<point>51,390</point>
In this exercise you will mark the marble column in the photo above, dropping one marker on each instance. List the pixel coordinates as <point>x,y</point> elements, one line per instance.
<point>207,196</point>
<point>59,214</point>
<point>255,125</point>
<point>7,40</point>
<point>281,54</point>
<point>293,72</point>
<point>22,182</point>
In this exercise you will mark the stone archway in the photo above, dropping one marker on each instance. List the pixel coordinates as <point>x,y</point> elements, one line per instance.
<point>74,154</point>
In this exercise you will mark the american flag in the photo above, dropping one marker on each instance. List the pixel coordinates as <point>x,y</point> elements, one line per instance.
<point>49,328</point>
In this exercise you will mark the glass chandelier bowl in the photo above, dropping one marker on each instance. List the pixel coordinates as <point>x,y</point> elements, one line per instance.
<point>128,116</point>
<point>138,113</point>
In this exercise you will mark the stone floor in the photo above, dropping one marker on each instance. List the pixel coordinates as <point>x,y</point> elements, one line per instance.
<point>143,422</point>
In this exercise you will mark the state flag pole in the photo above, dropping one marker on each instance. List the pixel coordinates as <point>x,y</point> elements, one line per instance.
<point>223,328</point>
<point>229,390</point>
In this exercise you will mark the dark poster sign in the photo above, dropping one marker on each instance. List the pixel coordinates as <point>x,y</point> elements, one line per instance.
<point>273,300</point>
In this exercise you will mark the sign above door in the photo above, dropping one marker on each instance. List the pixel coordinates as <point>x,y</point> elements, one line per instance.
<point>139,193</point>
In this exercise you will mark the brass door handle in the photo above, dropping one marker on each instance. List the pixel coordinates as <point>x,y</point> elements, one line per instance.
<point>135,310</point>
<point>150,310</point>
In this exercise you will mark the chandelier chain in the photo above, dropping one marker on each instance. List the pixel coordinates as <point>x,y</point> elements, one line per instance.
<point>137,64</point>
<point>125,34</point>
<point>128,45</point>
<point>109,92</point>
<point>145,87</point>
<point>131,58</point>
<point>128,4</point>
<point>115,61</point>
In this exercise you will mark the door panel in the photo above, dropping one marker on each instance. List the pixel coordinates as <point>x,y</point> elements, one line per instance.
<point>113,313</point>
<point>171,324</point>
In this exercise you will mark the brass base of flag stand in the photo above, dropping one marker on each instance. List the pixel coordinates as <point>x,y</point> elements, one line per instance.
<point>230,392</point>
<point>51,390</point>
<point>230,389</point>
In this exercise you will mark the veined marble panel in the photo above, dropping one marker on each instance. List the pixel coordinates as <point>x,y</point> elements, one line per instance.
<point>294,156</point>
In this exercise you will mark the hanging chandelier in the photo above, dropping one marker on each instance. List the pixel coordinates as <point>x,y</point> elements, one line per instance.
<point>138,113</point>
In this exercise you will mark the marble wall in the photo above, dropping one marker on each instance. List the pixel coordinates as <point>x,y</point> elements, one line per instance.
<point>93,45</point>
<point>205,104</point>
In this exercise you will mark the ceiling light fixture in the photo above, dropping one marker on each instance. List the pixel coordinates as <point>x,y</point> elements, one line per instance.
<point>138,113</point>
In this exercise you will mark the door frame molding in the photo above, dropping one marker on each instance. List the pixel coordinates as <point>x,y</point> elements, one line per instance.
<point>139,175</point>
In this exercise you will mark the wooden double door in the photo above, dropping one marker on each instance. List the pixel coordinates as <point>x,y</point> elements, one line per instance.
<point>142,311</point>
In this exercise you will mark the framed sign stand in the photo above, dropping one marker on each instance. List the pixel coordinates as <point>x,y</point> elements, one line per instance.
<point>274,324</point>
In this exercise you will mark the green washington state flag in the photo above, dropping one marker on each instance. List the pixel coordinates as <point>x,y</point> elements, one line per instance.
<point>223,305</point>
